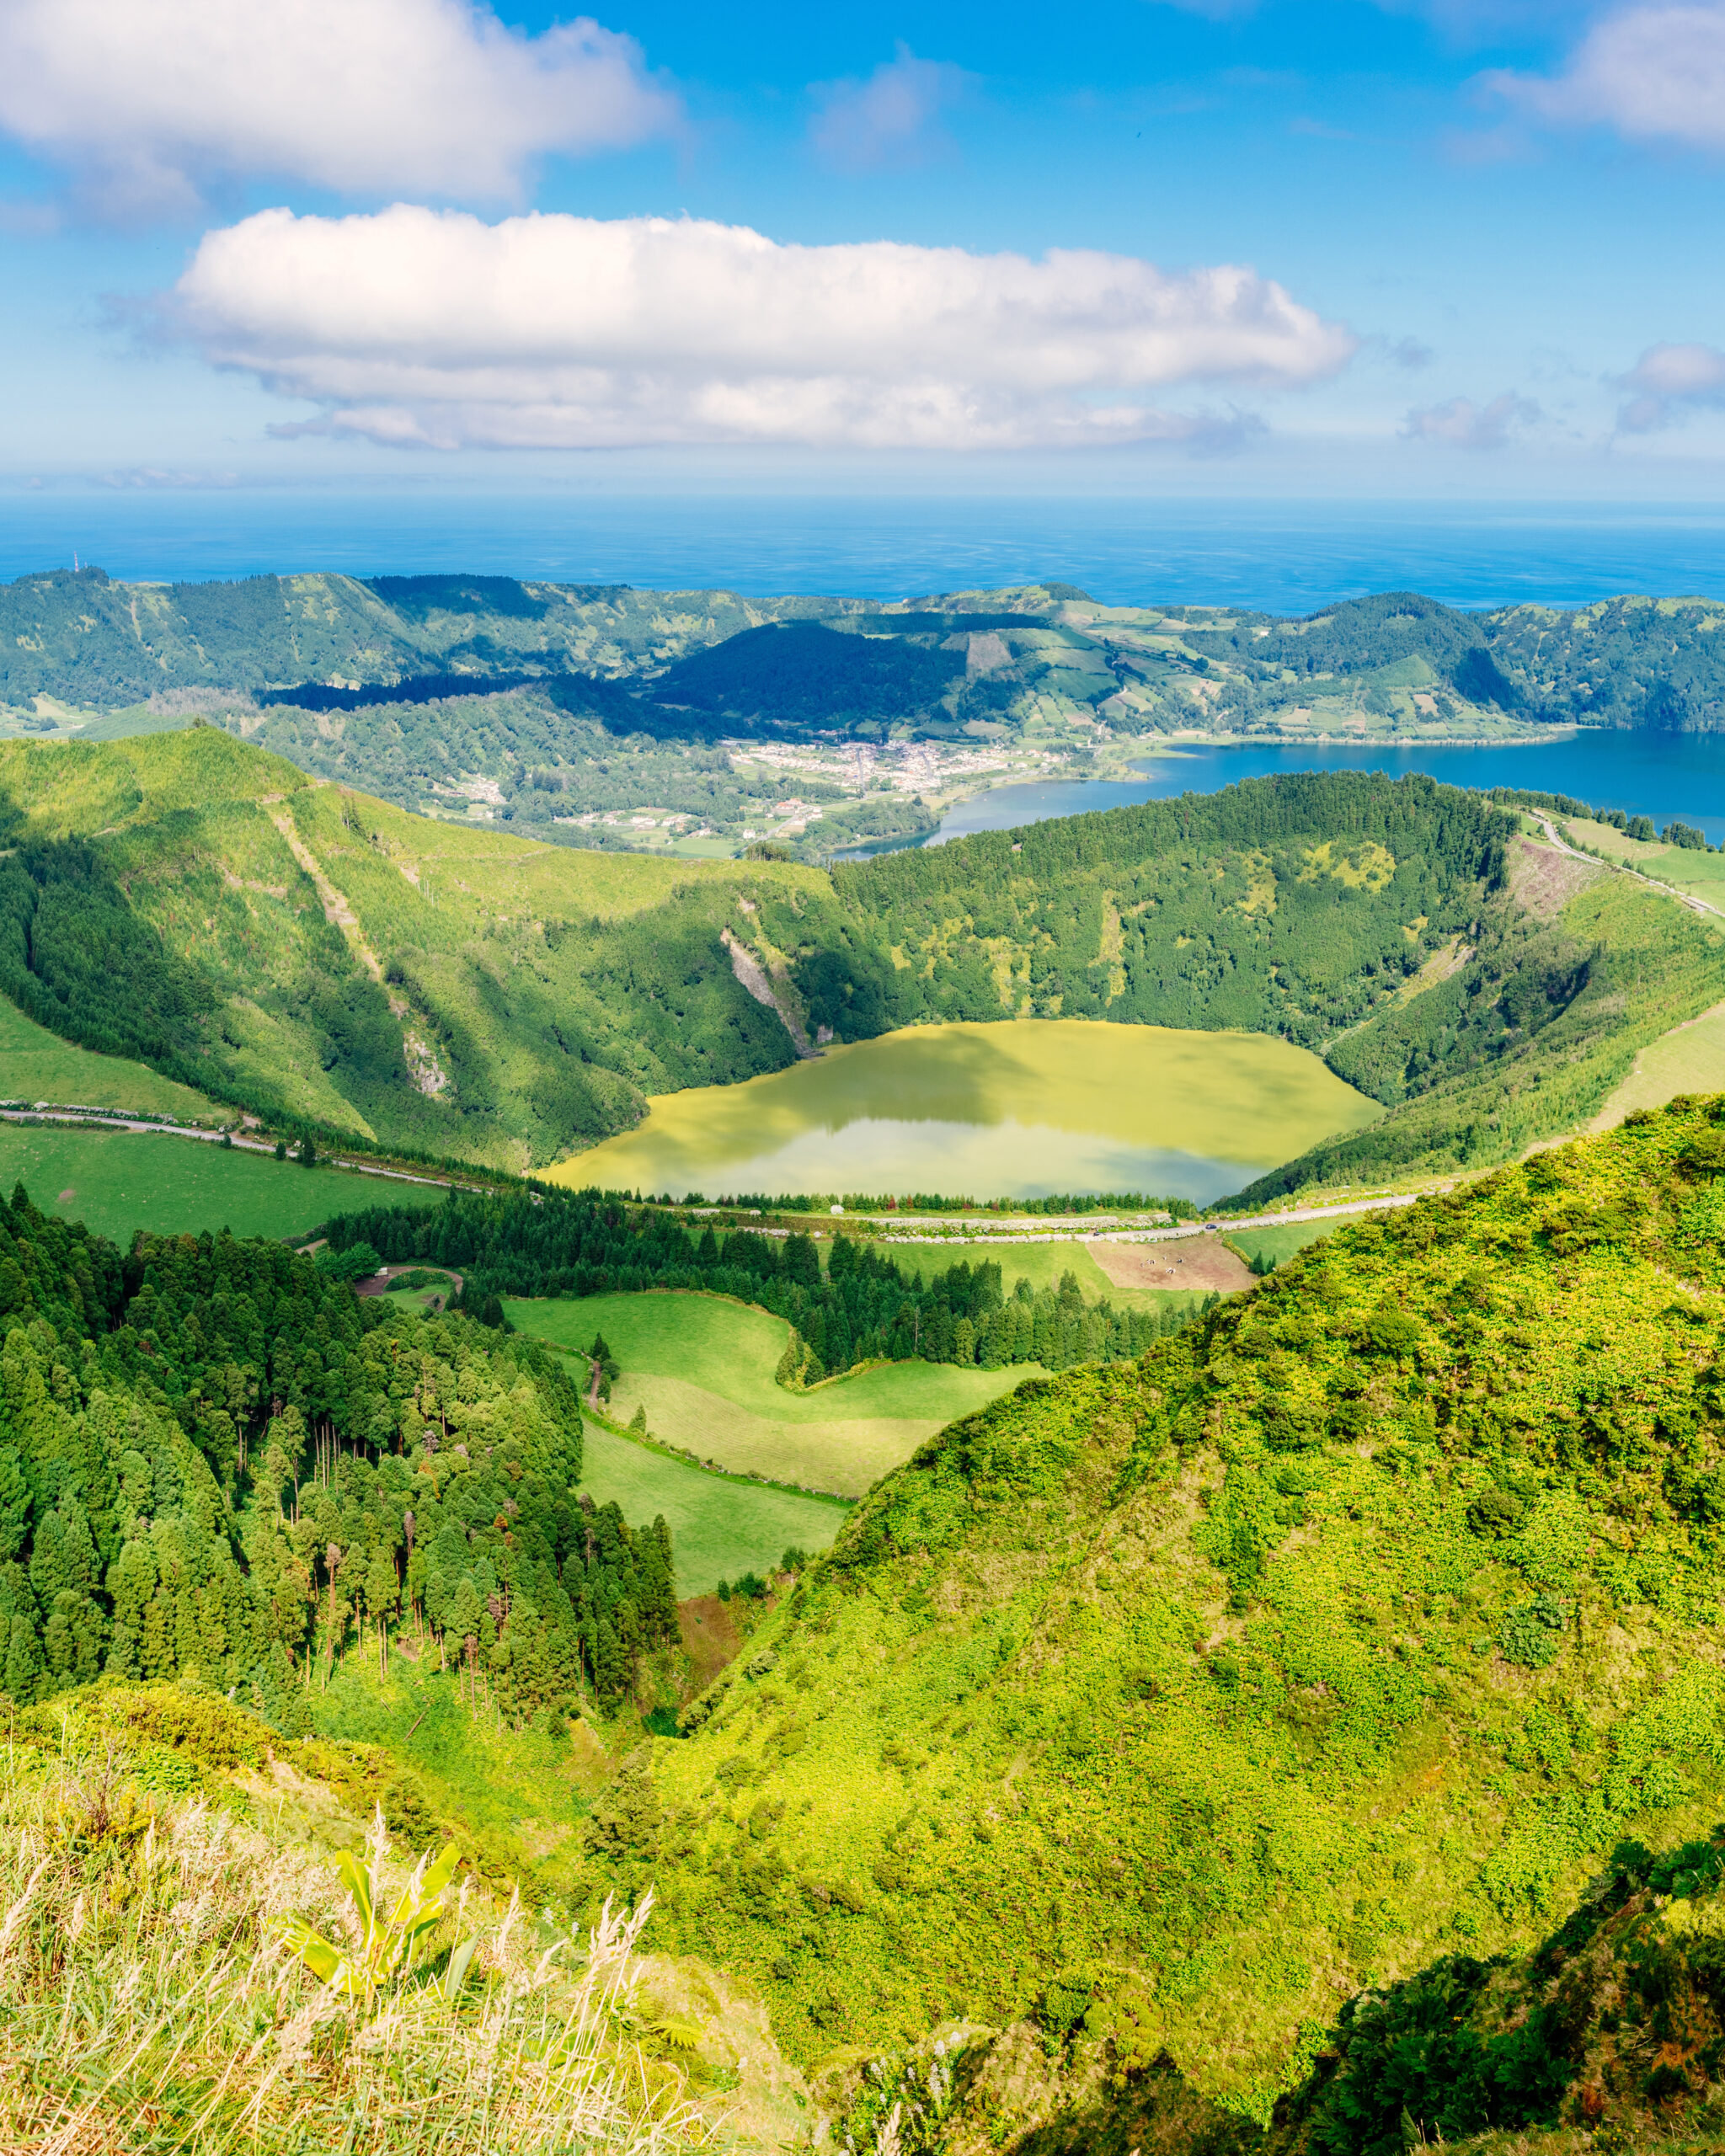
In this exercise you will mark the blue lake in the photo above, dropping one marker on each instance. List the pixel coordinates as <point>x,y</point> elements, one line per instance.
<point>1658,774</point>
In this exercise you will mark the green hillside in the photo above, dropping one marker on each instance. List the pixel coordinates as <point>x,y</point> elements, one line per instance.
<point>800,663</point>
<point>326,960</point>
<point>1348,1629</point>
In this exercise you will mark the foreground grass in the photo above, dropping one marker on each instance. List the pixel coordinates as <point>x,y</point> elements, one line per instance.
<point>146,2001</point>
<point>702,1368</point>
<point>117,1182</point>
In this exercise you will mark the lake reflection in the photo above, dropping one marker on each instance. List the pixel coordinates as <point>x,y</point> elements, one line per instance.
<point>1012,1110</point>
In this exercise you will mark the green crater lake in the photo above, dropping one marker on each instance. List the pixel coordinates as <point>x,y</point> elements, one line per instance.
<point>1018,1109</point>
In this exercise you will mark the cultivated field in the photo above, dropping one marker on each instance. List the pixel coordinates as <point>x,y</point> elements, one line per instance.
<point>1100,1278</point>
<point>702,1368</point>
<point>720,1528</point>
<point>116,1181</point>
<point>1199,1265</point>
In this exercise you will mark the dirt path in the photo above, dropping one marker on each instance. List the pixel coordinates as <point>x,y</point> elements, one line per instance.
<point>379,1283</point>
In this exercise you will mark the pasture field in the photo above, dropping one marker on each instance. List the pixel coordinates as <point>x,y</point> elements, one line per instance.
<point>1686,868</point>
<point>702,1368</point>
<point>38,1065</point>
<point>720,1527</point>
<point>1691,1059</point>
<point>116,1181</point>
<point>1281,1243</point>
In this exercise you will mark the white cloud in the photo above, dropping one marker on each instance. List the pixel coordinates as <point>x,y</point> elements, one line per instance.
<point>1653,73</point>
<point>1464,424</point>
<point>891,119</point>
<point>435,329</point>
<point>148,103</point>
<point>1668,382</point>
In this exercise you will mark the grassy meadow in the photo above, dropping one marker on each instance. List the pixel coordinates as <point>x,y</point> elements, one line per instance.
<point>702,1368</point>
<point>116,1181</point>
<point>720,1527</point>
<point>38,1065</point>
<point>1281,1243</point>
<point>1691,1059</point>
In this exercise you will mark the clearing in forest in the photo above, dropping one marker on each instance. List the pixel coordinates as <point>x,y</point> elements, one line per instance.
<point>702,1369</point>
<point>1191,1263</point>
<point>118,1181</point>
<point>720,1527</point>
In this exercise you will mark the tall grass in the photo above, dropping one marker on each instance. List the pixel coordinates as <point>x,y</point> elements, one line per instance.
<point>147,2002</point>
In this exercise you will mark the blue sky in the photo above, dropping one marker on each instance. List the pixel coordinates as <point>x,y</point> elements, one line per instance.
<point>1420,250</point>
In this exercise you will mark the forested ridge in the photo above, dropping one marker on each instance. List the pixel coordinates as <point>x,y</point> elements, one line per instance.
<point>216,1462</point>
<point>1349,1628</point>
<point>823,665</point>
<point>864,1306</point>
<point>1294,906</point>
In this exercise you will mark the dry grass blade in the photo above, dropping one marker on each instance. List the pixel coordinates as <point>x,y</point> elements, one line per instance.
<point>146,2001</point>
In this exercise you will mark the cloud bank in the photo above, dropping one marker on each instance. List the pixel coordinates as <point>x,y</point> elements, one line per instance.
<point>435,329</point>
<point>1653,73</point>
<point>149,103</point>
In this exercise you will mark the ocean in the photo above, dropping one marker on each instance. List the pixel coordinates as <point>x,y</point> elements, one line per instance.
<point>1286,556</point>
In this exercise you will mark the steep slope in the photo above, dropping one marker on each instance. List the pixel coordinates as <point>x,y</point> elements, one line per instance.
<point>1346,1629</point>
<point>324,959</point>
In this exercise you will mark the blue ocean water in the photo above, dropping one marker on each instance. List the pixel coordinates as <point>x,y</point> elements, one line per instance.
<point>1285,556</point>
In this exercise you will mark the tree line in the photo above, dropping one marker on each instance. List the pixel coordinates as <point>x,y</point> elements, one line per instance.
<point>216,1461</point>
<point>862,1307</point>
